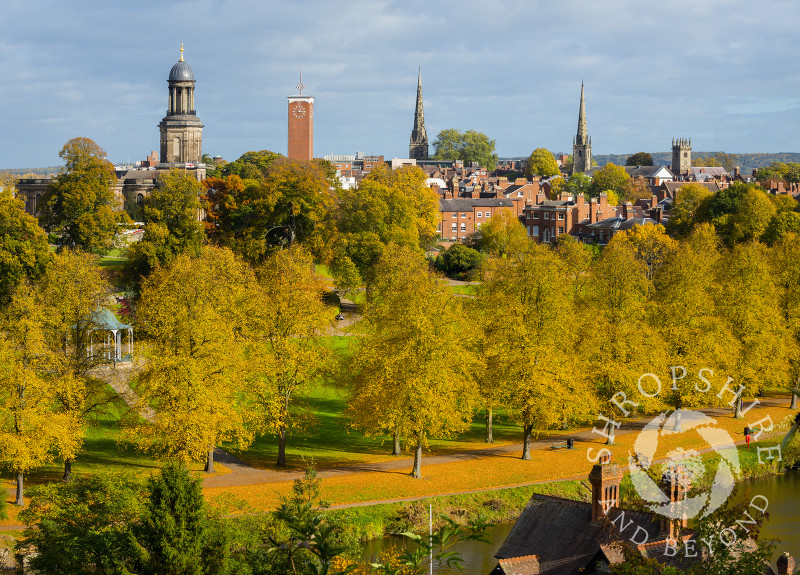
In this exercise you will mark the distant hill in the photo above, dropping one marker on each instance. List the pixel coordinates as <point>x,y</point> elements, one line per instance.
<point>49,171</point>
<point>746,162</point>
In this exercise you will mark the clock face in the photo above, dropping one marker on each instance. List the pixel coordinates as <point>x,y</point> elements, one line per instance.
<point>299,111</point>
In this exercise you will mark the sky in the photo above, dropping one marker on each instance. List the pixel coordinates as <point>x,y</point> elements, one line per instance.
<point>721,72</point>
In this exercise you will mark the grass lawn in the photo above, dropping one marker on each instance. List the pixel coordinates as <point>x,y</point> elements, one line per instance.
<point>465,289</point>
<point>101,453</point>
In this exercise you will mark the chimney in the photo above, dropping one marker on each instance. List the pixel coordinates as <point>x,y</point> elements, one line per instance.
<point>675,483</point>
<point>785,564</point>
<point>592,209</point>
<point>605,478</point>
<point>627,211</point>
<point>653,201</point>
<point>735,172</point>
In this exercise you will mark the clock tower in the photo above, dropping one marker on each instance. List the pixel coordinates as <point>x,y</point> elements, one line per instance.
<point>301,125</point>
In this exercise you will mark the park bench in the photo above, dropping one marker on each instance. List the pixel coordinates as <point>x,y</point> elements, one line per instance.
<point>568,444</point>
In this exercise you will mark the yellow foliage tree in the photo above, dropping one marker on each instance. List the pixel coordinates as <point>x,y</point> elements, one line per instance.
<point>748,300</point>
<point>528,342</point>
<point>33,429</point>
<point>785,264</point>
<point>687,318</point>
<point>411,374</point>
<point>289,322</point>
<point>71,291</point>
<point>503,234</point>
<point>195,314</point>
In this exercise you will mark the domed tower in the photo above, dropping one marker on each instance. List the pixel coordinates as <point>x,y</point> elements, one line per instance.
<point>181,130</point>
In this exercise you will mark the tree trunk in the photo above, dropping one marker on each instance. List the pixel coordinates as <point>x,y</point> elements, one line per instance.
<point>210,461</point>
<point>395,444</point>
<point>20,480</point>
<point>416,473</point>
<point>67,471</point>
<point>282,447</point>
<point>793,405</point>
<point>489,434</point>
<point>527,430</point>
<point>611,434</point>
<point>738,413</point>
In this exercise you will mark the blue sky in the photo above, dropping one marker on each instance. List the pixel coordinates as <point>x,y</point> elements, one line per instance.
<point>723,72</point>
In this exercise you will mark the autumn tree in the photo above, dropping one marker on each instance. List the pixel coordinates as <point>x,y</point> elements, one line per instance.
<point>284,202</point>
<point>746,299</point>
<point>618,345</point>
<point>784,259</point>
<point>541,162</point>
<point>469,146</point>
<point>527,342</point>
<point>24,252</point>
<point>410,373</point>
<point>687,208</point>
<point>195,315</point>
<point>387,207</point>
<point>609,177</point>
<point>780,226</point>
<point>639,159</point>
<point>503,234</point>
<point>290,320</point>
<point>79,203</point>
<point>250,165</point>
<point>651,244</point>
<point>171,217</point>
<point>72,291</point>
<point>33,430</point>
<point>686,315</point>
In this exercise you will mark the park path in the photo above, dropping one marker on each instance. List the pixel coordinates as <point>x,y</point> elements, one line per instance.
<point>242,474</point>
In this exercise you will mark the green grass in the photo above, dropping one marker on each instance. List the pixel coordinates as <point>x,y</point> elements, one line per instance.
<point>465,289</point>
<point>323,271</point>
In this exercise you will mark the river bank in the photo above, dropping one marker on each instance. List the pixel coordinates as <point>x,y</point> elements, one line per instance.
<point>504,505</point>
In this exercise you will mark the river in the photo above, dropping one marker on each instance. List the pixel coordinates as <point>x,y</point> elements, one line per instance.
<point>782,491</point>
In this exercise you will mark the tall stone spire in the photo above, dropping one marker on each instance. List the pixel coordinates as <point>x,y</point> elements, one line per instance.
<point>582,144</point>
<point>418,146</point>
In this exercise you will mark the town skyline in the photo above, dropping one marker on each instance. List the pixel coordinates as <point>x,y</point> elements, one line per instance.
<point>651,74</point>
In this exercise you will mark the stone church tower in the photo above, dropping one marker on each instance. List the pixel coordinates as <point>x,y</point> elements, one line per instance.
<point>582,144</point>
<point>681,155</point>
<point>301,125</point>
<point>181,130</point>
<point>418,146</point>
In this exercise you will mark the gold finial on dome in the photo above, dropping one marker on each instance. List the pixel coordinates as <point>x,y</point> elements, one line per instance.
<point>181,60</point>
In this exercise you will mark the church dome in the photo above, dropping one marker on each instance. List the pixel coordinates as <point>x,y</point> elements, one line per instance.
<point>181,72</point>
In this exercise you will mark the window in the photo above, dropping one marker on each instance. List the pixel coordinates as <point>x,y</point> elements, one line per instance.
<point>463,227</point>
<point>519,194</point>
<point>463,214</point>
<point>478,225</point>
<point>455,227</point>
<point>36,203</point>
<point>546,216</point>
<point>535,215</point>
<point>453,214</point>
<point>535,232</point>
<point>140,199</point>
<point>560,216</point>
<point>560,229</point>
<point>439,226</point>
<point>479,215</point>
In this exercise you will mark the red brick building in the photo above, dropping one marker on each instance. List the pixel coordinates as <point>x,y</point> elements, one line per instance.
<point>459,217</point>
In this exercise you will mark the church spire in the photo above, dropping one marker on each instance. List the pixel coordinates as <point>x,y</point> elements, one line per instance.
<point>418,146</point>
<point>583,132</point>
<point>582,144</point>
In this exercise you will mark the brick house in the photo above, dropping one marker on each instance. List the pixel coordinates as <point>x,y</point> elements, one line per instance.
<point>460,217</point>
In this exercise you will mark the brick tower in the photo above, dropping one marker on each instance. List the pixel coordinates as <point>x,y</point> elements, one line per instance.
<point>181,130</point>
<point>605,478</point>
<point>681,156</point>
<point>675,483</point>
<point>301,125</point>
<point>418,146</point>
<point>582,143</point>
